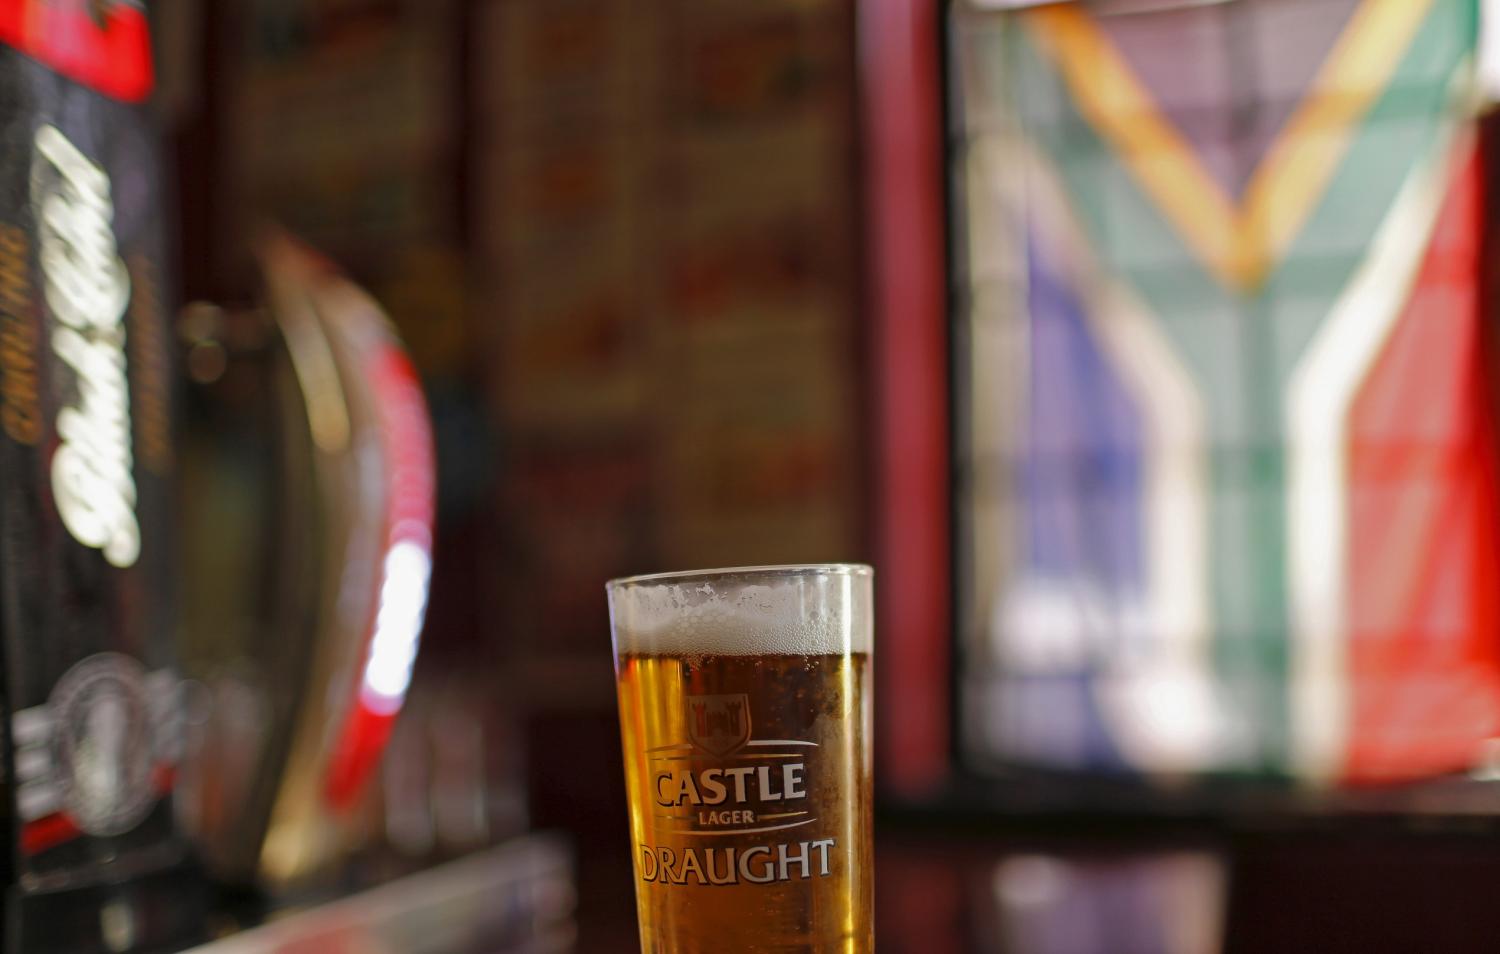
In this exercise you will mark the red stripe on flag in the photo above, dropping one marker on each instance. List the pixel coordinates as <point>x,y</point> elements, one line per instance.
<point>1424,663</point>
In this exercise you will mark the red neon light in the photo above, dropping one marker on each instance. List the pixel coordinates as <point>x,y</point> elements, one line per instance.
<point>58,828</point>
<point>47,832</point>
<point>407,449</point>
<point>113,59</point>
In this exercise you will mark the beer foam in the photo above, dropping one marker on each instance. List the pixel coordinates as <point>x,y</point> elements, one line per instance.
<point>758,611</point>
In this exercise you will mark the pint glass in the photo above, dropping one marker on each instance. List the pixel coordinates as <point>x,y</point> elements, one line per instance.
<point>745,718</point>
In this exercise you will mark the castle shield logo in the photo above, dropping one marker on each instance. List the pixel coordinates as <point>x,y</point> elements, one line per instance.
<point>719,724</point>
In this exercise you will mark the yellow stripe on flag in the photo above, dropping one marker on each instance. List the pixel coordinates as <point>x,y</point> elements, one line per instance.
<point>1240,245</point>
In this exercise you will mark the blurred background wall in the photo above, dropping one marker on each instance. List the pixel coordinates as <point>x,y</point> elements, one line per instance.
<point>621,240</point>
<point>677,278</point>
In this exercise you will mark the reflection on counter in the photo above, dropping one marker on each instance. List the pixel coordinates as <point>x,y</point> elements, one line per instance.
<point>1162,904</point>
<point>518,897</point>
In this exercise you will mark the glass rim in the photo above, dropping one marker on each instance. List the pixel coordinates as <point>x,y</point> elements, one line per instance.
<point>771,570</point>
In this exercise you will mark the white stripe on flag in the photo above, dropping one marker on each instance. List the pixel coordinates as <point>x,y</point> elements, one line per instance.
<point>1321,391</point>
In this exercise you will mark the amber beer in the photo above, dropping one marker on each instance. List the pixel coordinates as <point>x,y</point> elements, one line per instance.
<point>745,719</point>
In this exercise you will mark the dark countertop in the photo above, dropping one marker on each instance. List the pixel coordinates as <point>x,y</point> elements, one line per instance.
<point>946,889</point>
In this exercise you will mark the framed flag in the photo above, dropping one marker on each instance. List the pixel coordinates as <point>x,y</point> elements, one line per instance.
<point>1223,439</point>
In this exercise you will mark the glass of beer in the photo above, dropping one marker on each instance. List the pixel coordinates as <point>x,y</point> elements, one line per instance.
<point>745,718</point>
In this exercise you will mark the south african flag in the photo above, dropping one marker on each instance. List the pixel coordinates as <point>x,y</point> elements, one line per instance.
<point>1228,476</point>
